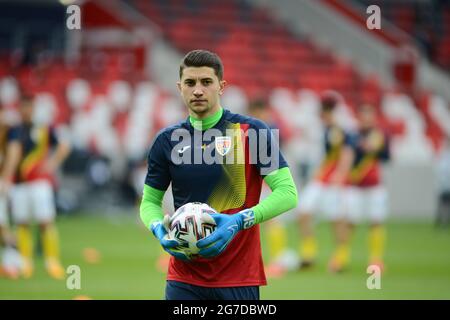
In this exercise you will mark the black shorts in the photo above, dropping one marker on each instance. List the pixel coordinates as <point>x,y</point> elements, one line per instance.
<point>176,290</point>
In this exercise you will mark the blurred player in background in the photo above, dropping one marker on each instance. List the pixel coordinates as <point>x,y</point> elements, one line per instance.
<point>275,229</point>
<point>443,185</point>
<point>276,233</point>
<point>9,156</point>
<point>32,196</point>
<point>324,193</point>
<point>367,194</point>
<point>230,265</point>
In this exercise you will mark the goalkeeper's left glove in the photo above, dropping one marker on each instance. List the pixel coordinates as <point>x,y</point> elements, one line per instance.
<point>169,245</point>
<point>228,225</point>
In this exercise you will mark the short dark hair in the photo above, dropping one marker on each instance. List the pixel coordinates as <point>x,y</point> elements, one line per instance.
<point>202,58</point>
<point>328,101</point>
<point>26,97</point>
<point>258,103</point>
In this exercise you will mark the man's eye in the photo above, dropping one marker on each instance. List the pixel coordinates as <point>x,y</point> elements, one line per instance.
<point>190,83</point>
<point>207,82</point>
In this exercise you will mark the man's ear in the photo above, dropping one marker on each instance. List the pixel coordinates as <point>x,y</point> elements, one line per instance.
<point>179,85</point>
<point>222,84</point>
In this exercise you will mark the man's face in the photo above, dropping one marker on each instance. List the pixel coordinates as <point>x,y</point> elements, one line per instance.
<point>367,117</point>
<point>326,116</point>
<point>26,110</point>
<point>200,89</point>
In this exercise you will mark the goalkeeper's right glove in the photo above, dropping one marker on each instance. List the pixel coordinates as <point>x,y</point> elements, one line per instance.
<point>169,245</point>
<point>228,225</point>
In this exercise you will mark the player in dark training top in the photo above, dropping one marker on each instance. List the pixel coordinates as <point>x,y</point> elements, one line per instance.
<point>219,158</point>
<point>367,196</point>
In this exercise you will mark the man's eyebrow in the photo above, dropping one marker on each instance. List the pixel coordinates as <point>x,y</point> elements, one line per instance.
<point>195,79</point>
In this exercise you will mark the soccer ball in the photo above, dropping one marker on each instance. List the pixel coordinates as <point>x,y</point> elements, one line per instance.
<point>189,224</point>
<point>12,262</point>
<point>289,260</point>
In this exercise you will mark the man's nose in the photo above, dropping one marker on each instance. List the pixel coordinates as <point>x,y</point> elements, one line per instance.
<point>198,92</point>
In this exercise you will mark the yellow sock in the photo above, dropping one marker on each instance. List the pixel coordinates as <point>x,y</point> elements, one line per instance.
<point>25,242</point>
<point>377,240</point>
<point>50,243</point>
<point>342,255</point>
<point>277,239</point>
<point>25,245</point>
<point>308,248</point>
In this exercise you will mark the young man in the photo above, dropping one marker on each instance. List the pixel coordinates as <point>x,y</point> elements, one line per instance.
<point>275,230</point>
<point>366,193</point>
<point>9,155</point>
<point>32,195</point>
<point>230,265</point>
<point>324,193</point>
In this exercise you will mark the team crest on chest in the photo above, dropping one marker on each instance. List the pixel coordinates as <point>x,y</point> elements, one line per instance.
<point>223,145</point>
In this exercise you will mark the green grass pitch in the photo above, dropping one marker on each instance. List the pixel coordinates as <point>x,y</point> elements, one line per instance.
<point>417,259</point>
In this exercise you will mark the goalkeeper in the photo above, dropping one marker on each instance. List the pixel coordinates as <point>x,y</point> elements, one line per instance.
<point>219,158</point>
